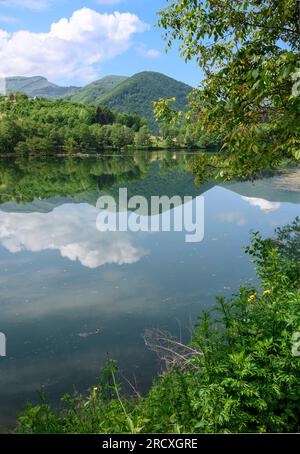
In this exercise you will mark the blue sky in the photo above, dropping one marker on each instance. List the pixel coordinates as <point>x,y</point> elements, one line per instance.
<point>77,41</point>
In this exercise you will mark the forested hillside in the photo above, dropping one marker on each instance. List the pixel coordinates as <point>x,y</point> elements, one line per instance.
<point>132,95</point>
<point>93,92</point>
<point>137,93</point>
<point>41,126</point>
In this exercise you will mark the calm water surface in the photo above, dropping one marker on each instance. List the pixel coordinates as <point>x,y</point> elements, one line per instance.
<point>71,295</point>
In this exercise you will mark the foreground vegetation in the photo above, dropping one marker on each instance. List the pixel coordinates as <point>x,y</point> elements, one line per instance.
<point>240,373</point>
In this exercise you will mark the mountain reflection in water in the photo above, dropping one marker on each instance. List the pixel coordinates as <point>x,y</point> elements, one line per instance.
<point>62,280</point>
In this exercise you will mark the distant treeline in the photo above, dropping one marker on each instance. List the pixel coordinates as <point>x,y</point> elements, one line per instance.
<point>29,126</point>
<point>41,126</point>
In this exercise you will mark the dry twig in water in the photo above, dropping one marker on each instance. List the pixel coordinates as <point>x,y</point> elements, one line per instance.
<point>169,349</point>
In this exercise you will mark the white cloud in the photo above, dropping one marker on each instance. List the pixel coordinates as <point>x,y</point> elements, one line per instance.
<point>148,53</point>
<point>73,48</point>
<point>262,204</point>
<point>152,53</point>
<point>34,5</point>
<point>70,229</point>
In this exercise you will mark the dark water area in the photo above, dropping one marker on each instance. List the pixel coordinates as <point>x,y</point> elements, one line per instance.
<point>70,294</point>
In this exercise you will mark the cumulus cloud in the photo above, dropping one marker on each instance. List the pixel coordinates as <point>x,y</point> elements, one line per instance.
<point>262,204</point>
<point>72,49</point>
<point>70,229</point>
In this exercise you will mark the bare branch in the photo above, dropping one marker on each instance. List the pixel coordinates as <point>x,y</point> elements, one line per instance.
<point>169,349</point>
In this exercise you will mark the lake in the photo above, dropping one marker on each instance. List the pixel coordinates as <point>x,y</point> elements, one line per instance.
<point>72,295</point>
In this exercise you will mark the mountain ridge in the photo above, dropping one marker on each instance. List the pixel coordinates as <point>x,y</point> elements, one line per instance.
<point>36,86</point>
<point>132,95</point>
<point>91,92</point>
<point>136,94</point>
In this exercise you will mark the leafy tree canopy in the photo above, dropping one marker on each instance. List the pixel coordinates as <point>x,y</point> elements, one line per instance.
<point>249,53</point>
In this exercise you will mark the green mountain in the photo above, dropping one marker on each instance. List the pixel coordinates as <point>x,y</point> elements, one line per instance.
<point>93,92</point>
<point>36,86</point>
<point>135,94</point>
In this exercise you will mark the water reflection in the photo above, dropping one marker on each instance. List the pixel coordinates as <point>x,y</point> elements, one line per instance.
<point>60,277</point>
<point>70,229</point>
<point>262,204</point>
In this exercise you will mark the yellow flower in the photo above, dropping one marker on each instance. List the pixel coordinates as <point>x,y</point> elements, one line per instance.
<point>266,292</point>
<point>251,298</point>
<point>94,391</point>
